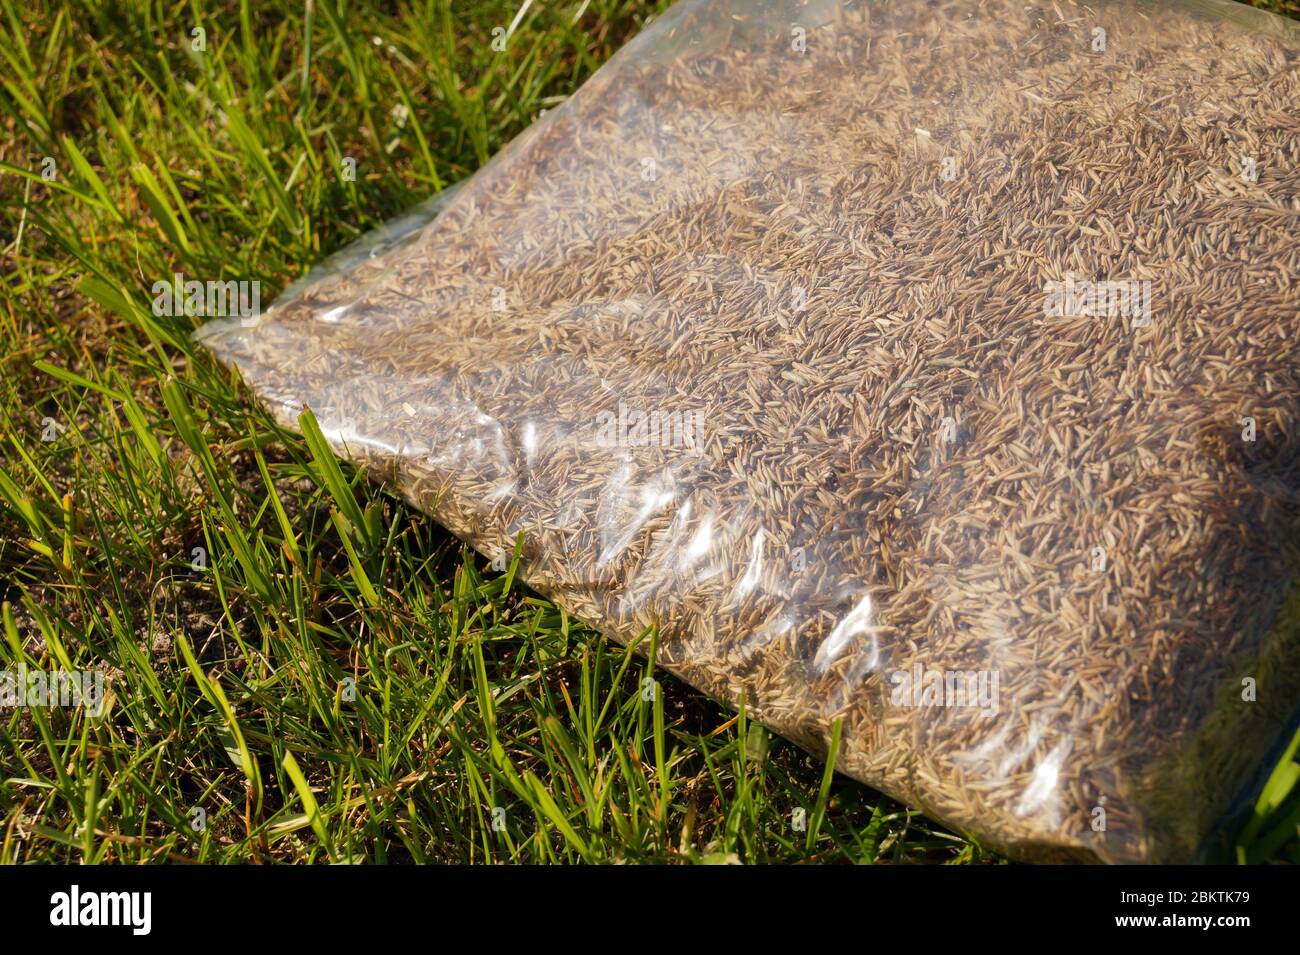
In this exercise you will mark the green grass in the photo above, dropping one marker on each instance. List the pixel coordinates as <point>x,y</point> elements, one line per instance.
<point>338,680</point>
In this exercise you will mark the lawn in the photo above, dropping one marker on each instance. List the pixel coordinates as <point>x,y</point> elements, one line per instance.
<point>275,693</point>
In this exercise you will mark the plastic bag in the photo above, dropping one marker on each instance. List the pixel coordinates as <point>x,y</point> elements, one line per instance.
<point>928,367</point>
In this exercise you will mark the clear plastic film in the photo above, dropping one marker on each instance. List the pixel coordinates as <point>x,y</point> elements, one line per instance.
<point>926,366</point>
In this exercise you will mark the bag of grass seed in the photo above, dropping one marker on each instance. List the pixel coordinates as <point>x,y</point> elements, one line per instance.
<point>929,368</point>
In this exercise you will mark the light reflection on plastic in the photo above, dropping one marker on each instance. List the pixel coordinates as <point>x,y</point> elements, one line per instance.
<point>700,543</point>
<point>856,622</point>
<point>1018,755</point>
<point>1042,786</point>
<point>766,633</point>
<point>654,497</point>
<point>755,569</point>
<point>530,440</point>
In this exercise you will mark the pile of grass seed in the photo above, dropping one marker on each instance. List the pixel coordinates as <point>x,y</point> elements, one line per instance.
<point>836,260</point>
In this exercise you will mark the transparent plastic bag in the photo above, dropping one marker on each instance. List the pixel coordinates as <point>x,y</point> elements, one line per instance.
<point>925,366</point>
